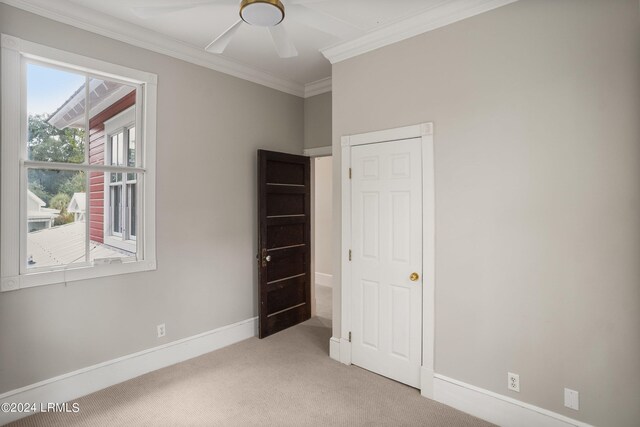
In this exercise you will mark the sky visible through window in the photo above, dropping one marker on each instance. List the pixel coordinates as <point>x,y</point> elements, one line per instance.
<point>48,88</point>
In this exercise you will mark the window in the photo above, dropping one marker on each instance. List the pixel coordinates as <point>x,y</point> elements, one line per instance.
<point>120,194</point>
<point>78,167</point>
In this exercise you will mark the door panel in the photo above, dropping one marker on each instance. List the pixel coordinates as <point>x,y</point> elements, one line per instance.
<point>370,315</point>
<point>370,224</point>
<point>387,248</point>
<point>285,294</point>
<point>285,172</point>
<point>286,263</point>
<point>284,258</point>
<point>285,204</point>
<point>285,235</point>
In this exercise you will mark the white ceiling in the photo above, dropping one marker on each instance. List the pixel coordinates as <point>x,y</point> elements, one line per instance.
<point>251,55</point>
<point>252,46</point>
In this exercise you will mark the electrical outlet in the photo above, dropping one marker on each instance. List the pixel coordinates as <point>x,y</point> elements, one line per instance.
<point>161,331</point>
<point>513,382</point>
<point>571,399</point>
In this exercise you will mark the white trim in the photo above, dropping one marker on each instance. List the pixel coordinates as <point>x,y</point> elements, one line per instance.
<point>116,241</point>
<point>444,13</point>
<point>57,57</point>
<point>312,248</point>
<point>345,351</point>
<point>386,135</point>
<point>108,26</point>
<point>318,152</point>
<point>324,279</point>
<point>426,382</point>
<point>73,385</point>
<point>86,167</point>
<point>345,245</point>
<point>496,408</point>
<point>123,119</point>
<point>13,162</point>
<point>10,170</point>
<point>428,257</point>
<point>424,131</point>
<point>318,87</point>
<point>83,272</point>
<point>334,348</point>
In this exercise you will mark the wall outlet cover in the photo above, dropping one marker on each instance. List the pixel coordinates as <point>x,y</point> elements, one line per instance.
<point>571,399</point>
<point>513,382</point>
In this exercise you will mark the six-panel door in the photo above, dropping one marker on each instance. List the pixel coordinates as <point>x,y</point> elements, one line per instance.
<point>386,228</point>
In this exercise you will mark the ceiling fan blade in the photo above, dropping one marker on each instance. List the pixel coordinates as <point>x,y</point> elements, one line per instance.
<point>284,45</point>
<point>146,12</point>
<point>322,21</point>
<point>221,42</point>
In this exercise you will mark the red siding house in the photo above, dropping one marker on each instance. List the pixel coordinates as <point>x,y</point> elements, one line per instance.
<point>111,219</point>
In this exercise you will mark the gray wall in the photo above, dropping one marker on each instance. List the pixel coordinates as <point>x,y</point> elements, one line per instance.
<point>537,150</point>
<point>317,121</point>
<point>206,219</point>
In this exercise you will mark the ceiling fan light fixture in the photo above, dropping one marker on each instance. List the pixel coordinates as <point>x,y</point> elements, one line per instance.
<point>263,13</point>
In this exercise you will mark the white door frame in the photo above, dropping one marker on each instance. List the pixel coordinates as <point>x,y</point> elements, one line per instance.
<point>425,132</point>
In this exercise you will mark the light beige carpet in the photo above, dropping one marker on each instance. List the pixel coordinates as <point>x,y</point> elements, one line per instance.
<point>287,379</point>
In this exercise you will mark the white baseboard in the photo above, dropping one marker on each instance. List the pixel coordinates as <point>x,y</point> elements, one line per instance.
<point>324,279</point>
<point>334,348</point>
<point>496,408</point>
<point>84,381</point>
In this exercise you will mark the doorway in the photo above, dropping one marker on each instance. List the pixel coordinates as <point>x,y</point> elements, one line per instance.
<point>386,263</point>
<point>322,211</point>
<point>387,247</point>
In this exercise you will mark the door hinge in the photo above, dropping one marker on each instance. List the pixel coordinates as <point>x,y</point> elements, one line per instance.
<point>349,173</point>
<point>349,254</point>
<point>349,336</point>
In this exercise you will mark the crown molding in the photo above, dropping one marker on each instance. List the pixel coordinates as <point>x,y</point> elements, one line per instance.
<point>108,26</point>
<point>318,87</point>
<point>439,16</point>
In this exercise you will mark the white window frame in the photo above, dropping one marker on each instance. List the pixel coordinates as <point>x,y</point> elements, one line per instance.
<point>121,122</point>
<point>13,162</point>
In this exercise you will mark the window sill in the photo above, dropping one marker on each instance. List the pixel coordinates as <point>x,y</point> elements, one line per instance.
<point>125,245</point>
<point>30,280</point>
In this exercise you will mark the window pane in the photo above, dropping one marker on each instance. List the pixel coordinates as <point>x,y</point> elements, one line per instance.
<point>120,149</point>
<point>115,177</point>
<point>117,149</point>
<point>56,115</point>
<point>132,209</point>
<point>115,209</point>
<point>113,217</point>
<point>56,205</point>
<point>131,157</point>
<point>114,149</point>
<point>112,112</point>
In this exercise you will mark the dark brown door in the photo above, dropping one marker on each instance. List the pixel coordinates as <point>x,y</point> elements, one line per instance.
<point>284,258</point>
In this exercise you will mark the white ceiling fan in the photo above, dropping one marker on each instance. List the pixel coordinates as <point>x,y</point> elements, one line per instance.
<point>264,13</point>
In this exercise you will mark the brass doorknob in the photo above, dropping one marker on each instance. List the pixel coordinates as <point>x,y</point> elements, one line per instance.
<point>414,277</point>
